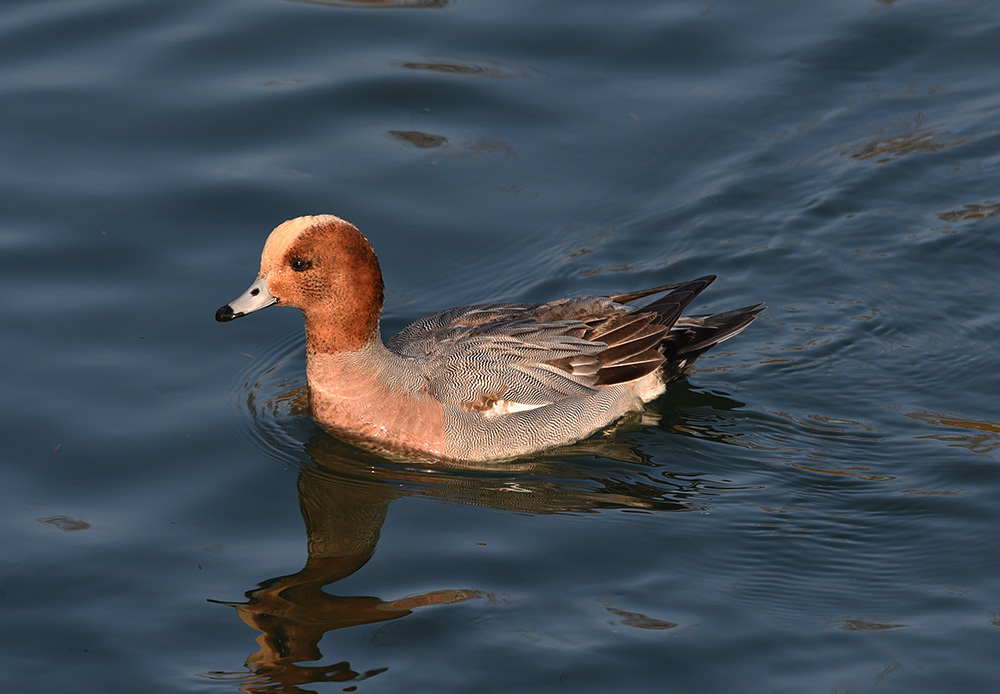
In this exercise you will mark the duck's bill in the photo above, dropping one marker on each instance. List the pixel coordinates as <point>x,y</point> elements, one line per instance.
<point>253,299</point>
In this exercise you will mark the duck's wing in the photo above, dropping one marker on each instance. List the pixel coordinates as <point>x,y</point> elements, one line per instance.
<point>426,333</point>
<point>532,354</point>
<point>510,357</point>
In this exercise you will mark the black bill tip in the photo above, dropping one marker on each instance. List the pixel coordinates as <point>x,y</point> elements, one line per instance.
<point>225,314</point>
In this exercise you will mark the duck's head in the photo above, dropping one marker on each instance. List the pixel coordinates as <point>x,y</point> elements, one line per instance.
<point>323,266</point>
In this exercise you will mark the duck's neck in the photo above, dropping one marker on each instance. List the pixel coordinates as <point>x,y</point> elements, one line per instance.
<point>333,332</point>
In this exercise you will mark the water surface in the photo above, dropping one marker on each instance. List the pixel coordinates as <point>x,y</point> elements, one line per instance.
<point>814,509</point>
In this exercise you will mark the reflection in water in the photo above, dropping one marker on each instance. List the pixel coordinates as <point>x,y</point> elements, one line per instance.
<point>343,520</point>
<point>971,211</point>
<point>418,139</point>
<point>859,472</point>
<point>636,619</point>
<point>490,70</point>
<point>919,141</point>
<point>978,436</point>
<point>65,523</point>
<point>345,492</point>
<point>344,495</point>
<point>858,624</point>
<point>422,140</point>
<point>573,479</point>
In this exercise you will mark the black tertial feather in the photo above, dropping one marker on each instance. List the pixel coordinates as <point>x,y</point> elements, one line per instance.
<point>655,336</point>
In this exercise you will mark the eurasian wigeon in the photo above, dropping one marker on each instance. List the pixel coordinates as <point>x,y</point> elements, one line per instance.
<point>474,383</point>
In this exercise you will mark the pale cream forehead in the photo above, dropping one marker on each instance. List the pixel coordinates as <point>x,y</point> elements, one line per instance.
<point>285,234</point>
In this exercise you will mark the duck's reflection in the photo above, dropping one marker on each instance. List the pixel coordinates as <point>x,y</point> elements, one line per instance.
<point>344,494</point>
<point>292,613</point>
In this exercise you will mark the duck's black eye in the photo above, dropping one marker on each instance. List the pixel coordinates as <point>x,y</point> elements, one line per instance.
<point>301,264</point>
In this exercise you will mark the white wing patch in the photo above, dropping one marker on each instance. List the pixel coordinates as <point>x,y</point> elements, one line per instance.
<point>501,407</point>
<point>494,406</point>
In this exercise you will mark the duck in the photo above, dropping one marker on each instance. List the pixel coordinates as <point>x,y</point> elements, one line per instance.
<point>477,383</point>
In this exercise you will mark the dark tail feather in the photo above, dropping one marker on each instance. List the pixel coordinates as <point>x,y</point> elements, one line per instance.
<point>632,353</point>
<point>720,326</point>
<point>685,343</point>
<point>643,293</point>
<point>669,308</point>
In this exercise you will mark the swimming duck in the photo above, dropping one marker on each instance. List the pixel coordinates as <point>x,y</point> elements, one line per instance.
<point>475,383</point>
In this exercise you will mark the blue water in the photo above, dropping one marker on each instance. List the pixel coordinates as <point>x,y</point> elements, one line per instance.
<point>813,510</point>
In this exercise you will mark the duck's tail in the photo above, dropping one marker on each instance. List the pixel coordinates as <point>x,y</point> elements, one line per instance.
<point>688,337</point>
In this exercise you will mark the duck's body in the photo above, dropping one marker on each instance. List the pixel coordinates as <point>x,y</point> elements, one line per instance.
<point>475,383</point>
